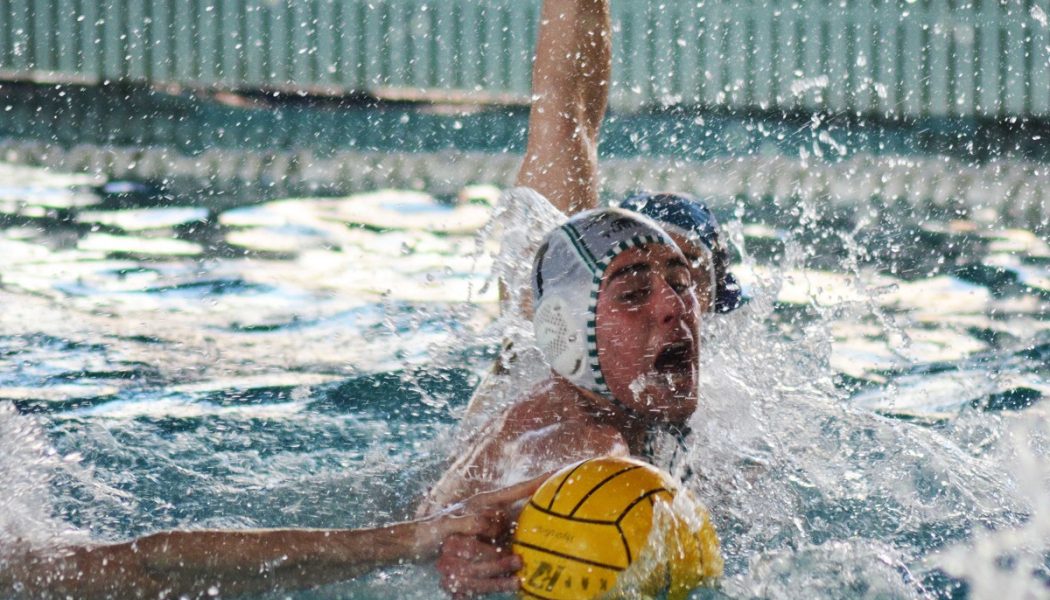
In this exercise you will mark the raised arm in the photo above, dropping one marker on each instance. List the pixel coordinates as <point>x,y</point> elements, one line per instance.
<point>570,87</point>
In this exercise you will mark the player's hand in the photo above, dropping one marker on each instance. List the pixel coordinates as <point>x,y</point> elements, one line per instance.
<point>477,558</point>
<point>470,566</point>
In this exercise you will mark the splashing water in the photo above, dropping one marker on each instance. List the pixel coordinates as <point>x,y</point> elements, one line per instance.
<point>27,465</point>
<point>1040,16</point>
<point>815,497</point>
<point>1012,561</point>
<point>813,494</point>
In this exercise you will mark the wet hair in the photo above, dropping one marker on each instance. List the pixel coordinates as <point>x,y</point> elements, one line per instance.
<point>691,218</point>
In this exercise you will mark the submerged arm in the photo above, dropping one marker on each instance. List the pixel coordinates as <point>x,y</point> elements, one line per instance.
<point>570,86</point>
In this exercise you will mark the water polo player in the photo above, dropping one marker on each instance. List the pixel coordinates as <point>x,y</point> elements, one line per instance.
<point>617,320</point>
<point>639,384</point>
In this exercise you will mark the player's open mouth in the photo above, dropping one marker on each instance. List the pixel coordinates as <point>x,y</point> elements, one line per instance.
<point>675,358</point>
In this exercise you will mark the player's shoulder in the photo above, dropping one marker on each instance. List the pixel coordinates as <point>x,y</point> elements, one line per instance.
<point>556,420</point>
<point>543,404</point>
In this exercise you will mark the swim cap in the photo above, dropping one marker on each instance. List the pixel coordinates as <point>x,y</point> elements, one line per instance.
<point>689,217</point>
<point>566,278</point>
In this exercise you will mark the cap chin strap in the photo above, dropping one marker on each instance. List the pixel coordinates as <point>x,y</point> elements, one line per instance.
<point>615,404</point>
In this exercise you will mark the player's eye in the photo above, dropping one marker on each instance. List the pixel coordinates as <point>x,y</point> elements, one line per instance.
<point>636,295</point>
<point>680,280</point>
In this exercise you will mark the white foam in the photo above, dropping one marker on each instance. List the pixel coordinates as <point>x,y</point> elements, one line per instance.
<point>27,465</point>
<point>808,485</point>
<point>1006,562</point>
<point>184,408</point>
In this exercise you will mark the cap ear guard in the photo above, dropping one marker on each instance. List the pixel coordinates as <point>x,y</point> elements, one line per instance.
<point>563,346</point>
<point>562,302</point>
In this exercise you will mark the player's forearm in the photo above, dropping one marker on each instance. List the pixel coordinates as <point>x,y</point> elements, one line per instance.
<point>574,59</point>
<point>74,572</point>
<point>234,562</point>
<point>570,84</point>
<point>594,39</point>
<point>280,559</point>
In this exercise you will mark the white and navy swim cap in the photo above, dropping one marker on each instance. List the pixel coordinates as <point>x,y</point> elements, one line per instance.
<point>687,216</point>
<point>566,278</point>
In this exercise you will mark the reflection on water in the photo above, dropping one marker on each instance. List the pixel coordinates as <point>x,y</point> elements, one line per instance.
<point>303,362</point>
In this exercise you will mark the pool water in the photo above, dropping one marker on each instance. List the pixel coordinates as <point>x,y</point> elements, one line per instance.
<point>873,423</point>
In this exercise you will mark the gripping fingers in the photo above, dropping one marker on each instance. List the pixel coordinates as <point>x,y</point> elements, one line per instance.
<point>469,566</point>
<point>475,587</point>
<point>483,578</point>
<point>494,569</point>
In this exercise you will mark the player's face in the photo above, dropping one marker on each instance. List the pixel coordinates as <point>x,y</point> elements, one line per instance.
<point>647,332</point>
<point>701,268</point>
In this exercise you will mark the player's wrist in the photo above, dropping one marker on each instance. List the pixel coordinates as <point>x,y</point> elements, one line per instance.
<point>426,536</point>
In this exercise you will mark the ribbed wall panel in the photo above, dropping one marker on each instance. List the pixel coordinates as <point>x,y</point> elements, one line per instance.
<point>891,57</point>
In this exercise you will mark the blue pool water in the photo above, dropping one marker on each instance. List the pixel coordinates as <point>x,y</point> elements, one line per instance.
<point>879,403</point>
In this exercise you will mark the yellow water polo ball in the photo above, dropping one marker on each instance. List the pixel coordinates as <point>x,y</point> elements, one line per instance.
<point>585,533</point>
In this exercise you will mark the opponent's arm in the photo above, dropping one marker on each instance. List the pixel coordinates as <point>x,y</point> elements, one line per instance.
<point>191,563</point>
<point>570,87</point>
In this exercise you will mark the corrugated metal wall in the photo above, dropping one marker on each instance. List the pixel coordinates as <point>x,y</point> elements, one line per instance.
<point>926,57</point>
